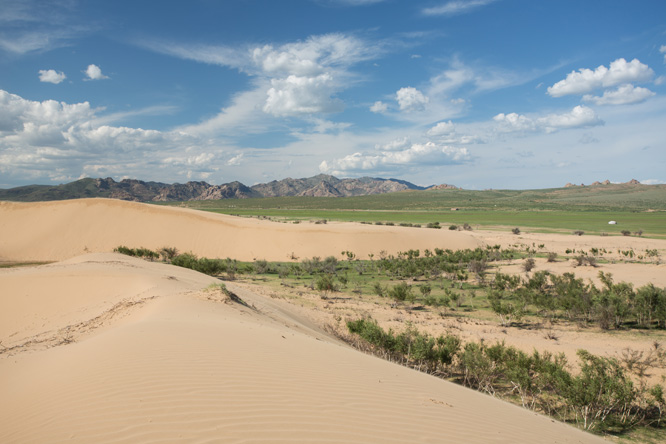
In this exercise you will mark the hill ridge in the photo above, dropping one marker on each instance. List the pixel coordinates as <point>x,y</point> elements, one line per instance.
<point>321,185</point>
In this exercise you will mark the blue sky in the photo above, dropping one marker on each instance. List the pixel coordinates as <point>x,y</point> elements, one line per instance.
<point>476,93</point>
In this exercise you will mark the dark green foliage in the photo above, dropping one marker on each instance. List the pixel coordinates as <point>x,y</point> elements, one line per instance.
<point>137,252</point>
<point>411,346</point>
<point>401,292</point>
<point>212,267</point>
<point>599,396</point>
<point>601,389</point>
<point>325,283</point>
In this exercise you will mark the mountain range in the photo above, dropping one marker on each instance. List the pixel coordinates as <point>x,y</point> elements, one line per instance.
<point>137,190</point>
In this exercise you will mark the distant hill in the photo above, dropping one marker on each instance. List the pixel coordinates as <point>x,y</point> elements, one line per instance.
<point>137,190</point>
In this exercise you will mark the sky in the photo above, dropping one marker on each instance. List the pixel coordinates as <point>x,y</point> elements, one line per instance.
<point>503,94</point>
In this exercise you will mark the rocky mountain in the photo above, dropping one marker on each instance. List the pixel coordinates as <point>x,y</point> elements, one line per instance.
<point>605,182</point>
<point>137,190</point>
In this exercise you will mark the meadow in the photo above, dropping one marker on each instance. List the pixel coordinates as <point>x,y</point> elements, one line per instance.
<point>636,208</point>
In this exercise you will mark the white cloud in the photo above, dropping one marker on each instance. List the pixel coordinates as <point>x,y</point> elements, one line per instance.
<point>236,160</point>
<point>60,141</point>
<point>411,99</point>
<point>586,80</point>
<point>51,76</point>
<point>442,129</point>
<point>413,156</point>
<point>623,95</point>
<point>299,95</point>
<point>579,117</point>
<point>379,107</point>
<point>663,51</point>
<point>295,79</point>
<point>456,7</point>
<point>93,72</point>
<point>395,145</point>
<point>652,181</point>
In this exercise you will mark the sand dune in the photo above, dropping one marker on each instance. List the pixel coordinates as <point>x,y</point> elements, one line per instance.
<point>184,364</point>
<point>50,231</point>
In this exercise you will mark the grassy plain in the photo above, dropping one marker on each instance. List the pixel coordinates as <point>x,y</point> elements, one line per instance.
<point>634,207</point>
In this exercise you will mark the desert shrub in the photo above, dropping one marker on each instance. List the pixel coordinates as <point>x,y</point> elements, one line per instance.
<point>467,227</point>
<point>529,264</point>
<point>579,232</point>
<point>625,233</point>
<point>507,310</point>
<point>137,252</point>
<point>433,225</point>
<point>425,289</point>
<point>515,230</point>
<point>552,257</point>
<point>311,266</point>
<point>168,253</point>
<point>329,265</point>
<point>124,250</point>
<point>401,292</point>
<point>185,260</point>
<point>261,266</point>
<point>379,289</point>
<point>453,227</point>
<point>506,281</point>
<point>326,283</point>
<point>601,389</point>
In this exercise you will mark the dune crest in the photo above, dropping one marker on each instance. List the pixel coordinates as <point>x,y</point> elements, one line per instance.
<point>48,231</point>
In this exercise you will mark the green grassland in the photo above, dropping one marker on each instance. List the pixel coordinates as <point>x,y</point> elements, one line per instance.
<point>634,207</point>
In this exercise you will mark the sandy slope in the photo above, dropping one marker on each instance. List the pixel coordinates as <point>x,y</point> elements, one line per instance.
<point>182,364</point>
<point>60,230</point>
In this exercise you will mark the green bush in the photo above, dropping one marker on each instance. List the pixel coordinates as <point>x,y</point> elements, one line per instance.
<point>401,293</point>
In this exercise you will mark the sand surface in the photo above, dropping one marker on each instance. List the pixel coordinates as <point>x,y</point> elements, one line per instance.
<point>48,231</point>
<point>102,348</point>
<point>185,364</point>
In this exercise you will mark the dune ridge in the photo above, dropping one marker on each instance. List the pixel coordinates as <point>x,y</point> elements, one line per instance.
<point>51,231</point>
<point>188,365</point>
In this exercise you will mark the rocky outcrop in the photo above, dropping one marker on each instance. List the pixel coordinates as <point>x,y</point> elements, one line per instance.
<point>444,186</point>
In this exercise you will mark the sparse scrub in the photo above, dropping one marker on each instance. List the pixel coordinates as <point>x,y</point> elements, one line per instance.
<point>598,397</point>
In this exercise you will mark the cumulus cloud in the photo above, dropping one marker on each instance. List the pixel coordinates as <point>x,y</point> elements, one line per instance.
<point>411,99</point>
<point>94,72</point>
<point>395,145</point>
<point>579,117</point>
<point>586,80</point>
<point>60,141</point>
<point>442,129</point>
<point>415,155</point>
<point>623,95</point>
<point>379,107</point>
<point>455,7</point>
<point>298,95</point>
<point>51,76</point>
<point>295,79</point>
